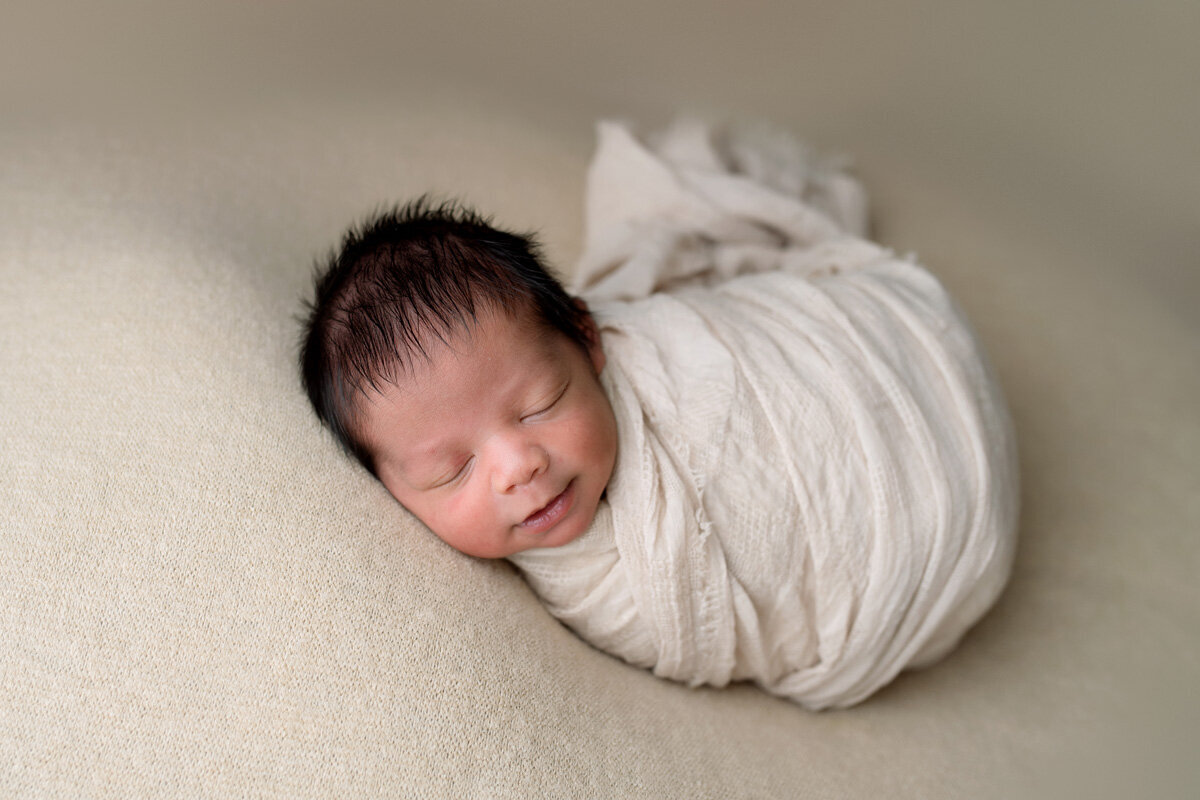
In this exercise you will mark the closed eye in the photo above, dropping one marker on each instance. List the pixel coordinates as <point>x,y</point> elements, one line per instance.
<point>459,473</point>
<point>553,402</point>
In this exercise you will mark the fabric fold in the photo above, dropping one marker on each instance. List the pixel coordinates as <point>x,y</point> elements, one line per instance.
<point>816,474</point>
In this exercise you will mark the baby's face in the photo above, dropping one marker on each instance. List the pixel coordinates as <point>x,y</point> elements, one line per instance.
<point>502,441</point>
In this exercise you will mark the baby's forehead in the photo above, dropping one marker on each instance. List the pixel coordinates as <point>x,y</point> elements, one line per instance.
<point>496,368</point>
<point>436,349</point>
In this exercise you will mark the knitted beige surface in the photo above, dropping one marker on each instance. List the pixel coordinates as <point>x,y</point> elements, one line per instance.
<point>200,597</point>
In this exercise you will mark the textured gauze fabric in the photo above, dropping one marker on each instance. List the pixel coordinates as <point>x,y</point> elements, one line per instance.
<point>816,474</point>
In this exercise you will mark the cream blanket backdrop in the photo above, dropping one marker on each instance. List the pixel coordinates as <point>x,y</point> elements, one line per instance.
<point>816,478</point>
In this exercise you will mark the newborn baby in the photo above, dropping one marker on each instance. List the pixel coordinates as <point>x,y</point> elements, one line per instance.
<point>769,451</point>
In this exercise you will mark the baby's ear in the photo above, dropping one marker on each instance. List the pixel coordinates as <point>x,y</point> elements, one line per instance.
<point>591,333</point>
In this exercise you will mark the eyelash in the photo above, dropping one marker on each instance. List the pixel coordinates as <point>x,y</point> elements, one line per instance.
<point>461,471</point>
<point>548,406</point>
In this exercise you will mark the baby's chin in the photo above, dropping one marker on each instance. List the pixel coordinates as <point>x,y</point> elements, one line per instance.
<point>574,523</point>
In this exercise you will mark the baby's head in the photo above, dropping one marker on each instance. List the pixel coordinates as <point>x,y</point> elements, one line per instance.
<point>445,358</point>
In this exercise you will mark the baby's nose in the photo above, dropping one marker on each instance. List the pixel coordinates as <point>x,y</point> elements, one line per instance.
<point>521,464</point>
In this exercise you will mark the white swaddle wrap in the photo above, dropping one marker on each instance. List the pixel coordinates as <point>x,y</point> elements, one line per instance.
<point>816,476</point>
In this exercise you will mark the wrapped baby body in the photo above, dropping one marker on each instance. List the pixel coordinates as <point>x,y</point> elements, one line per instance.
<point>816,482</point>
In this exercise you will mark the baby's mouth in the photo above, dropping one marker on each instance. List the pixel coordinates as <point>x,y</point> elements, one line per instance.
<point>548,515</point>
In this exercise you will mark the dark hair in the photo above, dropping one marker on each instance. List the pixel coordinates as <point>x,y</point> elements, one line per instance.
<point>405,274</point>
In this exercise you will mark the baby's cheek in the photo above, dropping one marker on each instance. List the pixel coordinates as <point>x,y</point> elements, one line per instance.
<point>468,512</point>
<point>587,424</point>
<point>602,435</point>
<point>449,510</point>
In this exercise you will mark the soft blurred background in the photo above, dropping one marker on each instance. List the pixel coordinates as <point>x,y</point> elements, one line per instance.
<point>1079,121</point>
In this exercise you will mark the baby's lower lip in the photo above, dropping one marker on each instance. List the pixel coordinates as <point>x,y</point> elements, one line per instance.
<point>550,514</point>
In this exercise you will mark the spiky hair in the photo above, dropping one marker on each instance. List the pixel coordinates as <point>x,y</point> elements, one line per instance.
<point>404,275</point>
